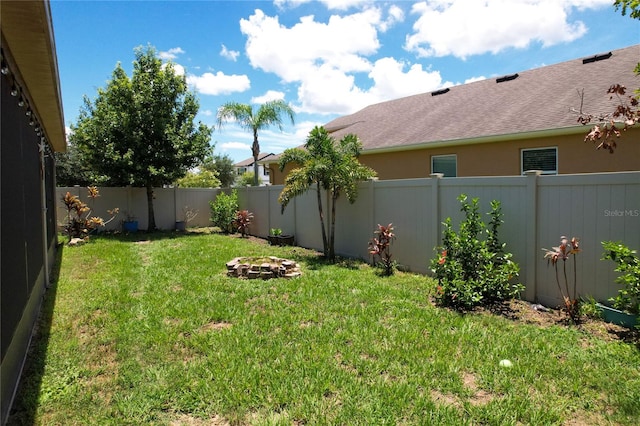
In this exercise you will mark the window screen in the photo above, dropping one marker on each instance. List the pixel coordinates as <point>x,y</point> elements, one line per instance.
<point>544,159</point>
<point>445,164</point>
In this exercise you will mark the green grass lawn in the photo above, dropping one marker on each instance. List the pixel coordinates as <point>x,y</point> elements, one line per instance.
<point>141,331</point>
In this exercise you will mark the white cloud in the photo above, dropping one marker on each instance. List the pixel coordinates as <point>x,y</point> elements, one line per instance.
<point>291,52</point>
<point>207,113</point>
<point>177,68</point>
<point>329,4</point>
<point>329,91</point>
<point>464,28</point>
<point>395,15</point>
<point>171,53</point>
<point>271,95</point>
<point>235,145</point>
<point>323,58</point>
<point>391,81</point>
<point>232,55</point>
<point>219,83</point>
<point>474,79</point>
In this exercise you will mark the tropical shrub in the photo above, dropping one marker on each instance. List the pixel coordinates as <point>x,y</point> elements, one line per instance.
<point>380,247</point>
<point>471,270</point>
<point>79,223</point>
<point>628,264</point>
<point>563,252</point>
<point>242,221</point>
<point>223,211</point>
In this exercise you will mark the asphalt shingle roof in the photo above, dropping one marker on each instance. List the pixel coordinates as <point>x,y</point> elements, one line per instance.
<point>249,161</point>
<point>537,100</point>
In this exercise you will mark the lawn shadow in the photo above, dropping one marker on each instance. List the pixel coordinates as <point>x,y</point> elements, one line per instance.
<point>631,336</point>
<point>136,237</point>
<point>28,393</point>
<point>317,261</point>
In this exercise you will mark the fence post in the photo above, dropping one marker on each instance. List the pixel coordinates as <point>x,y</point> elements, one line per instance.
<point>531,235</point>
<point>435,206</point>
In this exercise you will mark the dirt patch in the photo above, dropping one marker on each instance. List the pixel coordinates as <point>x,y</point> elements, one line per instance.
<point>524,312</point>
<point>216,325</point>
<point>480,396</point>
<point>445,399</point>
<point>186,420</point>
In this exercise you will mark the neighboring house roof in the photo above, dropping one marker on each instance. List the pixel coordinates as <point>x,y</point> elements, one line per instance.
<point>531,103</point>
<point>28,31</point>
<point>249,161</point>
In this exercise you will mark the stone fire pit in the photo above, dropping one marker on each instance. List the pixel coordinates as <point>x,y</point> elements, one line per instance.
<point>262,267</point>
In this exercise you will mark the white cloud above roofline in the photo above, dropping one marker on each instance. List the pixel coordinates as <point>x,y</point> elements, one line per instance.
<point>462,29</point>
<point>219,83</point>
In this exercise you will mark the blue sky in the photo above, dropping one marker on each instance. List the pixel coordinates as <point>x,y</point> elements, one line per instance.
<point>325,58</point>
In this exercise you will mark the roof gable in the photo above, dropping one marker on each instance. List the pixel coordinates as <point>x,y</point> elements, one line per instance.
<point>249,161</point>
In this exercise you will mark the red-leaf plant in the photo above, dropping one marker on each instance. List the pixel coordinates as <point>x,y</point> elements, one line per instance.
<point>563,252</point>
<point>242,221</point>
<point>380,246</point>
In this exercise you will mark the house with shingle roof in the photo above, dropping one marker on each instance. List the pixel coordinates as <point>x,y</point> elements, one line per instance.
<point>247,166</point>
<point>499,126</point>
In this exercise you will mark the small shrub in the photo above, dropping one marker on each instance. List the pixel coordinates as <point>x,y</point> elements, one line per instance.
<point>589,308</point>
<point>563,252</point>
<point>472,271</point>
<point>628,264</point>
<point>223,211</point>
<point>380,247</point>
<point>276,232</point>
<point>242,221</point>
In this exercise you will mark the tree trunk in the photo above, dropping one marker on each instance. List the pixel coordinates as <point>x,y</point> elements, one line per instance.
<point>152,217</point>
<point>332,233</point>
<point>256,153</point>
<point>325,246</point>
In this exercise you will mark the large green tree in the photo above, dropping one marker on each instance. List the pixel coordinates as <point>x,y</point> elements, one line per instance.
<point>325,164</point>
<point>72,169</point>
<point>268,114</point>
<point>222,166</point>
<point>141,131</point>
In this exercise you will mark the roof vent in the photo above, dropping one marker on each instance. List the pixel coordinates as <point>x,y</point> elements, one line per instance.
<point>507,78</point>
<point>596,58</point>
<point>440,92</point>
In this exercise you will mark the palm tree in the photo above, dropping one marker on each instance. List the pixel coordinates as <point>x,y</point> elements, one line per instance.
<point>327,165</point>
<point>269,113</point>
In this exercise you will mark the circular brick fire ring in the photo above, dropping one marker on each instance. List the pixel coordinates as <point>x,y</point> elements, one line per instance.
<point>262,267</point>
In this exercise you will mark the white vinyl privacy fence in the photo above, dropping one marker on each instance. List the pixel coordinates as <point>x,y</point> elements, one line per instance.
<point>538,210</point>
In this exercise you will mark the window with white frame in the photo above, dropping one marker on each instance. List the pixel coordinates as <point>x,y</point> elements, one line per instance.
<point>543,159</point>
<point>445,164</point>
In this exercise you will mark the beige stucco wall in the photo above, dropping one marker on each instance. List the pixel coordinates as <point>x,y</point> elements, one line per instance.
<point>503,158</point>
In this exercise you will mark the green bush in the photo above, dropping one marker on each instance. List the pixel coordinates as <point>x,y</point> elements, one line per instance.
<point>245,179</point>
<point>472,271</point>
<point>628,264</point>
<point>223,211</point>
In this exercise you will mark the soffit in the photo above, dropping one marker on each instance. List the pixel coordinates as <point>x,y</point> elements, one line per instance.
<point>28,33</point>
